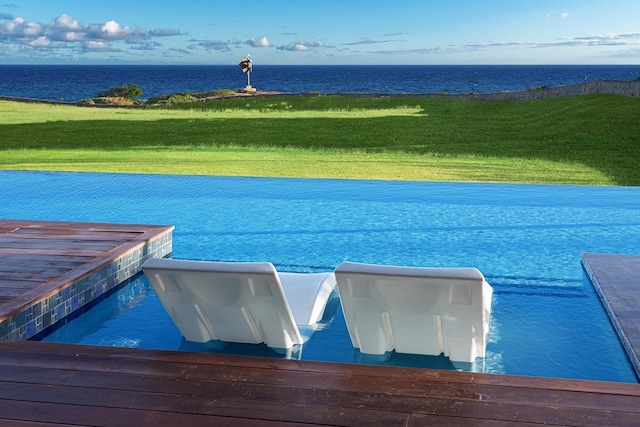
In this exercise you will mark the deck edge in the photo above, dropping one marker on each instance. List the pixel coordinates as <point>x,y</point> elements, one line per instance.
<point>624,339</point>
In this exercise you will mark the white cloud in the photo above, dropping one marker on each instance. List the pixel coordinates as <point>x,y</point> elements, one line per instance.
<point>40,42</point>
<point>143,45</point>
<point>66,22</point>
<point>301,46</point>
<point>626,39</point>
<point>72,36</point>
<point>113,28</point>
<point>259,42</point>
<point>32,29</point>
<point>562,15</point>
<point>12,27</point>
<point>66,31</point>
<point>297,47</point>
<point>399,33</point>
<point>97,45</point>
<point>614,40</point>
<point>366,40</point>
<point>217,45</point>
<point>164,32</point>
<point>180,50</point>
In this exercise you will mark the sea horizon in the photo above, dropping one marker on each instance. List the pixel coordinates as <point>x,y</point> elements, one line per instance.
<point>74,82</point>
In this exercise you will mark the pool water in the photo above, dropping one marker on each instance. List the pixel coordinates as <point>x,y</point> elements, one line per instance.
<point>526,239</point>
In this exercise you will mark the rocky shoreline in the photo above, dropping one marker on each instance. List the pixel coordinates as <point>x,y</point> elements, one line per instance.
<point>616,87</point>
<point>613,87</point>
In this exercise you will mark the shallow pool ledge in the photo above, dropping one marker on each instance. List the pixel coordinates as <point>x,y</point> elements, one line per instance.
<point>617,281</point>
<point>50,269</point>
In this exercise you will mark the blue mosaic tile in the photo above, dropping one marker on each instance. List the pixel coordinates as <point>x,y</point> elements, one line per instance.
<point>46,320</point>
<point>100,288</point>
<point>59,312</point>
<point>20,318</point>
<point>31,329</point>
<point>37,310</point>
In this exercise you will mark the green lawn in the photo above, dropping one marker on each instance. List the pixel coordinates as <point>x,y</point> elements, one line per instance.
<point>590,139</point>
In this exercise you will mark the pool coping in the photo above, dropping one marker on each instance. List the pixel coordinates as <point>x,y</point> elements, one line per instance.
<point>616,279</point>
<point>51,269</point>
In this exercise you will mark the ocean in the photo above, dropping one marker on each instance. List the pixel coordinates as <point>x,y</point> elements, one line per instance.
<point>72,83</point>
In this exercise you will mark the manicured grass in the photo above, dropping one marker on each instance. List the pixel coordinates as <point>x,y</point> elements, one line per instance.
<point>294,162</point>
<point>580,140</point>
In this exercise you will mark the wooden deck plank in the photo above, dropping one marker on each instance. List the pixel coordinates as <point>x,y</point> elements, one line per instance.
<point>276,408</point>
<point>50,252</point>
<point>12,292</point>
<point>92,245</point>
<point>75,415</point>
<point>171,385</point>
<point>35,262</point>
<point>18,268</point>
<point>77,234</point>
<point>38,277</point>
<point>42,259</point>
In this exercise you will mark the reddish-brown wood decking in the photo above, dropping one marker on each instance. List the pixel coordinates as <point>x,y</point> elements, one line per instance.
<point>60,384</point>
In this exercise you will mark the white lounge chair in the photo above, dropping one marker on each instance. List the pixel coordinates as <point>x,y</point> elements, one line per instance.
<point>416,310</point>
<point>245,302</point>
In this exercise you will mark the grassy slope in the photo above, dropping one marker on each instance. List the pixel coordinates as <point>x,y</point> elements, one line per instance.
<point>587,140</point>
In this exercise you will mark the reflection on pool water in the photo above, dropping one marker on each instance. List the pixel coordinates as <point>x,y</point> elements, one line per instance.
<point>526,239</point>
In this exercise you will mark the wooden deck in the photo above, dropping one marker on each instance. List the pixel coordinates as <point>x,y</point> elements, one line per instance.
<point>61,384</point>
<point>49,269</point>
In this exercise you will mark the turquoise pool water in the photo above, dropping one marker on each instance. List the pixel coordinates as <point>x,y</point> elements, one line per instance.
<point>527,240</point>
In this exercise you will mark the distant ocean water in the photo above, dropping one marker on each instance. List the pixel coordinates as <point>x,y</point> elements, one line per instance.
<point>75,82</point>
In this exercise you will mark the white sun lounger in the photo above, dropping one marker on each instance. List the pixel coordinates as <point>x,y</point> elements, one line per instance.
<point>416,310</point>
<point>244,302</point>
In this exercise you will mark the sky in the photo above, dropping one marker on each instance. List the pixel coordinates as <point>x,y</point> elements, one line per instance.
<point>350,32</point>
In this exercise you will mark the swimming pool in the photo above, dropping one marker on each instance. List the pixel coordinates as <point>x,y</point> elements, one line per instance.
<point>526,239</point>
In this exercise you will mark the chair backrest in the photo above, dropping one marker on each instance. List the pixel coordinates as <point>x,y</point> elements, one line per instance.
<point>230,301</point>
<point>416,310</point>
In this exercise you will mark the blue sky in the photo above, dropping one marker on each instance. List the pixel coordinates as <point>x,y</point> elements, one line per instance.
<point>320,32</point>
